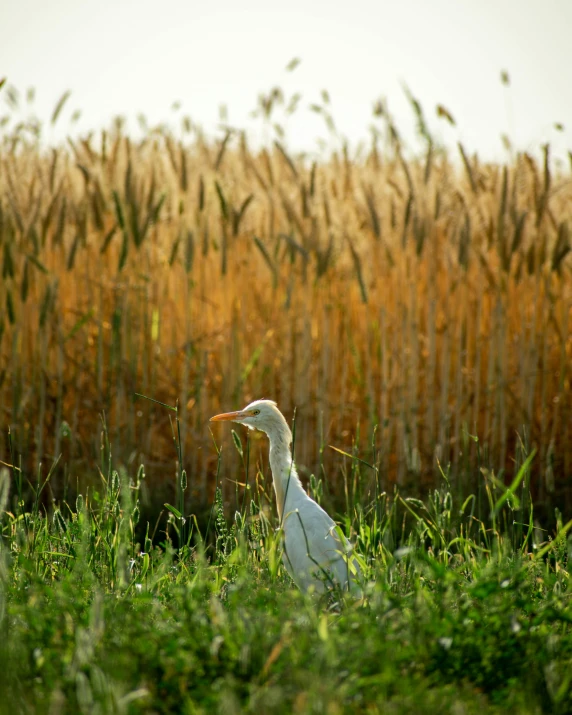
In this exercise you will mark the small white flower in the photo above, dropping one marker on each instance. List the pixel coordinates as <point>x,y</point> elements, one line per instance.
<point>403,551</point>
<point>445,643</point>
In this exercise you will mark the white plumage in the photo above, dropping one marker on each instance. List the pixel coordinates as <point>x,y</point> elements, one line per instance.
<point>315,554</point>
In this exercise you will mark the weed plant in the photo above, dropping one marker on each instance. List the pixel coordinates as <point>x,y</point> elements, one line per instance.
<point>460,614</point>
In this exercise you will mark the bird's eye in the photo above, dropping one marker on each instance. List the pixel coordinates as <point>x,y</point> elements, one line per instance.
<point>255,412</point>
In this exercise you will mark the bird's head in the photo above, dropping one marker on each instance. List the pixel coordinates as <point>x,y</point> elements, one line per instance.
<point>260,414</point>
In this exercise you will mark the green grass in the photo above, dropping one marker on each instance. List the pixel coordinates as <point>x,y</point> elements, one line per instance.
<point>461,614</point>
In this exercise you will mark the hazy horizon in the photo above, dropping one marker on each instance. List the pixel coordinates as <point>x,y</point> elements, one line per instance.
<point>128,58</point>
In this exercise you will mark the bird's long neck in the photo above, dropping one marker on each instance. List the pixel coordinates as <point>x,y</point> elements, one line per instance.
<point>284,475</point>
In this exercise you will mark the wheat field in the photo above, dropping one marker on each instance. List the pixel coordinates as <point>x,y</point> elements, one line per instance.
<point>413,303</point>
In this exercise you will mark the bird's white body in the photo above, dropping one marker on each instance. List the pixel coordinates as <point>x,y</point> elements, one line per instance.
<point>315,553</point>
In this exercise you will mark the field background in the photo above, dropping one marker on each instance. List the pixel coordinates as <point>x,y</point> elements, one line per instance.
<point>403,301</point>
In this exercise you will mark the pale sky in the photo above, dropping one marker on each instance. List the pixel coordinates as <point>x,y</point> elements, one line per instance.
<point>131,56</point>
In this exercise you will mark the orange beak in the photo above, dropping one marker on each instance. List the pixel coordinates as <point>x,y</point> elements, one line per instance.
<point>231,416</point>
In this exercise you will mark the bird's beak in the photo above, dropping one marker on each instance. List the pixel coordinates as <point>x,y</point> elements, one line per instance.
<point>232,416</point>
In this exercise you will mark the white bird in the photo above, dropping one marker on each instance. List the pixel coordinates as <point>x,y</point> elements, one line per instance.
<point>315,552</point>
